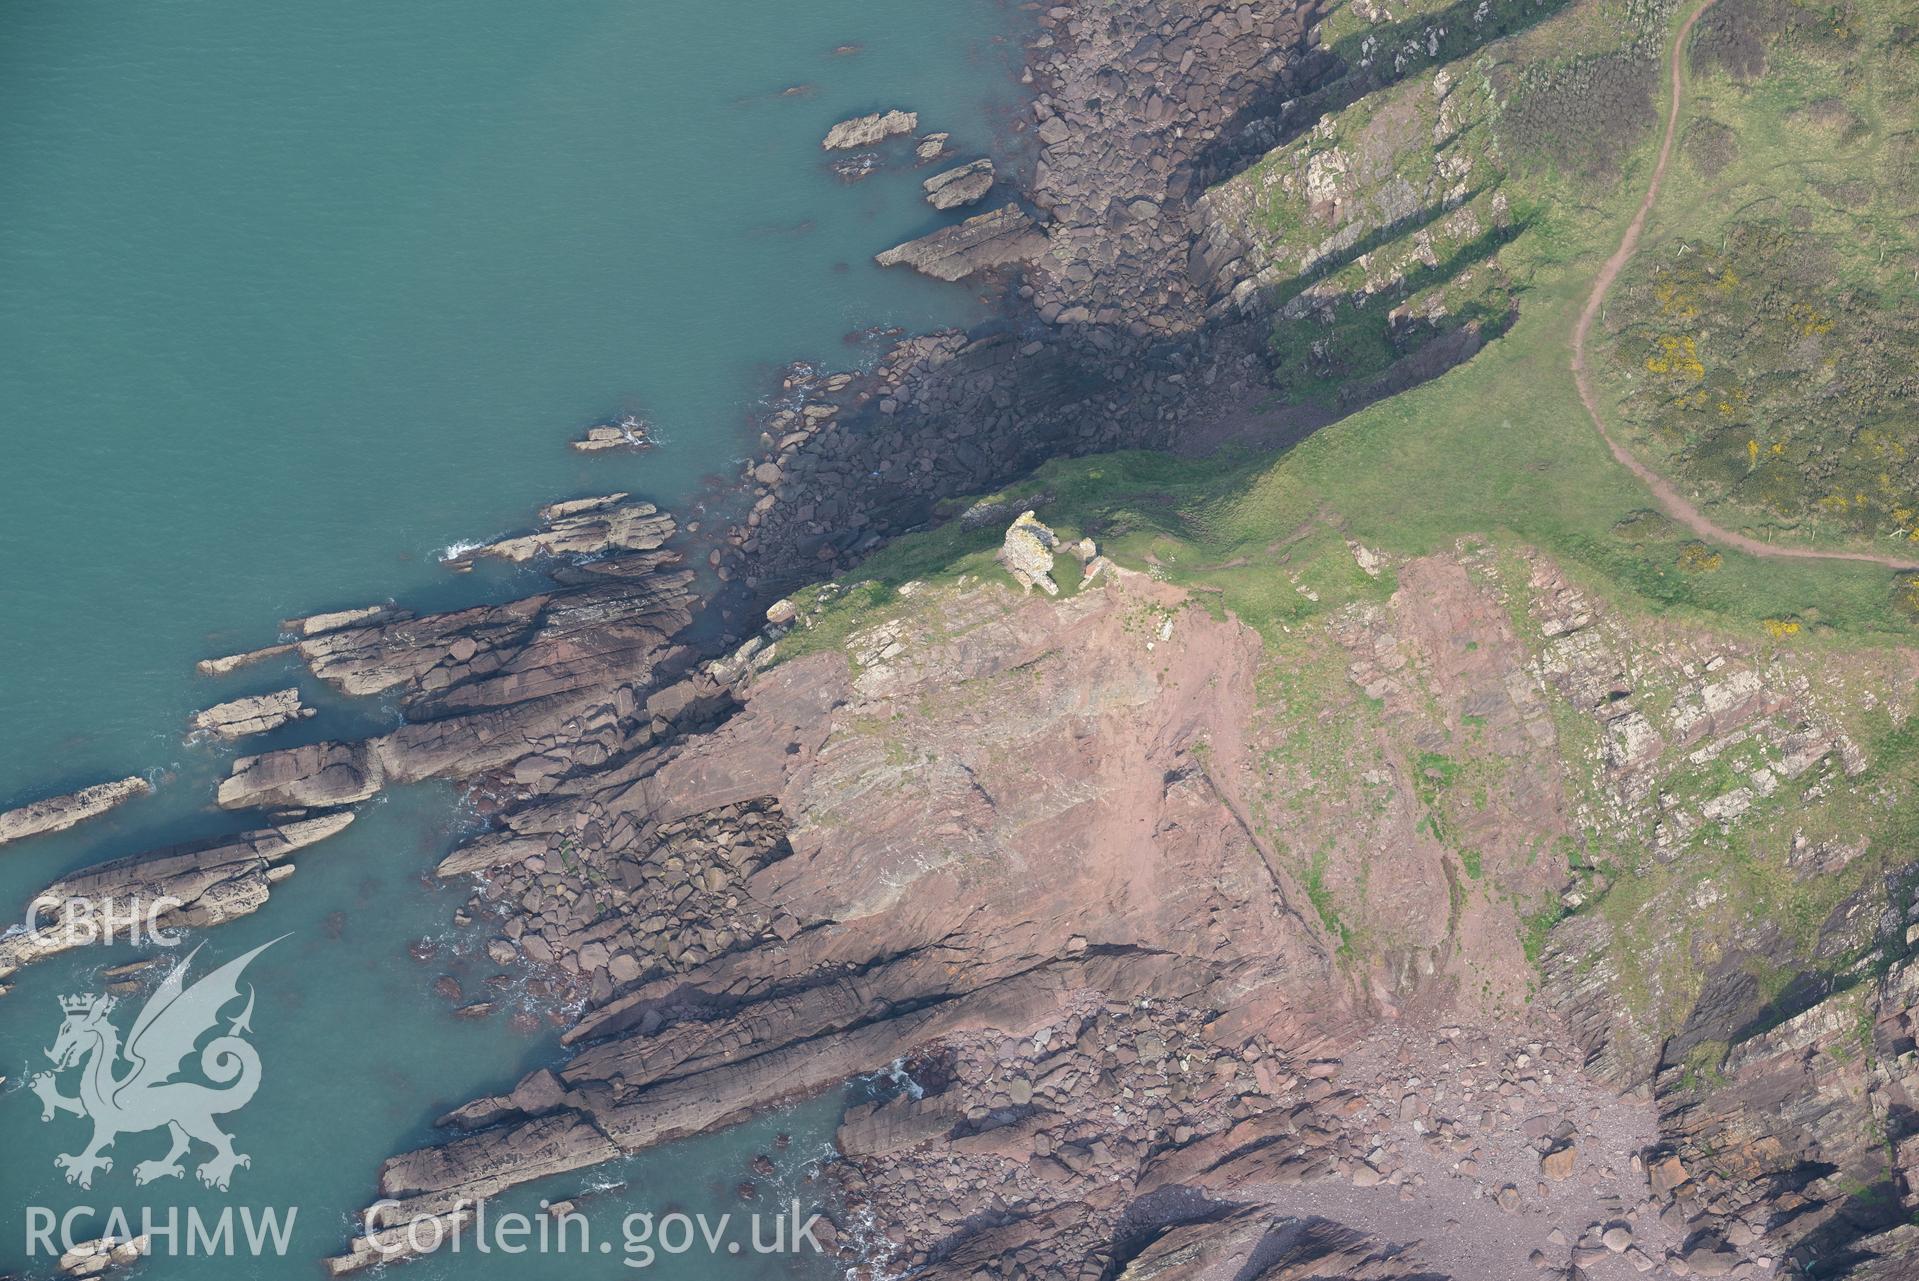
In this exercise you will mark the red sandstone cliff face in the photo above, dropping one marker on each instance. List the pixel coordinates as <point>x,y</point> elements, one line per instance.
<point>1056,861</point>
<point>1195,944</point>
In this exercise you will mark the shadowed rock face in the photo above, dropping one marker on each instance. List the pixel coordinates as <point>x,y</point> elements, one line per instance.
<point>1265,1247</point>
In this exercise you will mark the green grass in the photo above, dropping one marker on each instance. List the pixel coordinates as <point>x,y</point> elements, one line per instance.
<point>1320,895</point>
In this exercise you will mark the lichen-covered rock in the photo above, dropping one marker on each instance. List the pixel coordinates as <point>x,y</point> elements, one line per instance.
<point>1027,553</point>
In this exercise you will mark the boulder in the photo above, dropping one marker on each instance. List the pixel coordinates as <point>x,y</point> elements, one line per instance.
<point>964,185</point>
<point>1027,554</point>
<point>864,131</point>
<point>1666,1174</point>
<point>255,714</point>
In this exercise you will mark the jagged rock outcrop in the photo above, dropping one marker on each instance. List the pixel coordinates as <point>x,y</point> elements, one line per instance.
<point>332,620</point>
<point>1005,235</point>
<point>1134,104</point>
<point>201,884</point>
<point>1802,1140</point>
<point>864,131</point>
<point>254,714</point>
<point>58,813</point>
<point>1027,553</point>
<point>538,686</point>
<point>1262,1247</point>
<point>583,527</point>
<point>316,775</point>
<point>961,186</point>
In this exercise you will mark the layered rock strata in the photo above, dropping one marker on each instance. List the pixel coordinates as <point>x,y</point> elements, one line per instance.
<point>955,188</point>
<point>865,131</point>
<point>188,886</point>
<point>58,813</point>
<point>255,714</point>
<point>984,241</point>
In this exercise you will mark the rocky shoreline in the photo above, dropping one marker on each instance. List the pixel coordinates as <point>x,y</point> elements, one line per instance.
<point>1000,849</point>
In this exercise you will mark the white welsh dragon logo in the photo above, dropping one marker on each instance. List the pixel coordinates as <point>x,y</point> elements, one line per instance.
<point>145,1096</point>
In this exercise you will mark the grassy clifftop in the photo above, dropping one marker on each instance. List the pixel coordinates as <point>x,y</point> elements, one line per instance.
<point>1444,192</point>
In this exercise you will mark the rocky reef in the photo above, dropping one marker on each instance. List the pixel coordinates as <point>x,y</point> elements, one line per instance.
<point>58,813</point>
<point>254,714</point>
<point>204,883</point>
<point>1006,235</point>
<point>965,185</point>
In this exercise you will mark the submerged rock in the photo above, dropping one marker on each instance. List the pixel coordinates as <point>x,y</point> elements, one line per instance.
<point>864,131</point>
<point>315,624</point>
<point>58,813</point>
<point>255,714</point>
<point>985,240</point>
<point>629,432</point>
<point>234,662</point>
<point>964,185</point>
<point>860,165</point>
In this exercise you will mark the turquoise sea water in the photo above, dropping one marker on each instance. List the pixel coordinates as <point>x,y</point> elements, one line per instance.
<point>291,297</point>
